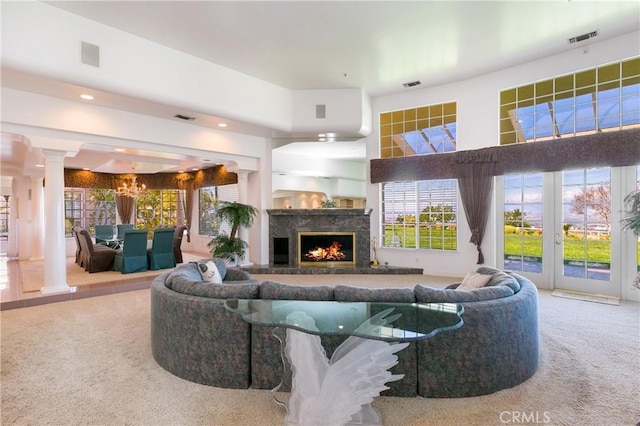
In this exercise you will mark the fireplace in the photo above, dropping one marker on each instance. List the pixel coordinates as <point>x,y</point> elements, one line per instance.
<point>350,228</point>
<point>326,249</point>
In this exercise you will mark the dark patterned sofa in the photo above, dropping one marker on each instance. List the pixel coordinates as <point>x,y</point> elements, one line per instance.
<point>195,338</point>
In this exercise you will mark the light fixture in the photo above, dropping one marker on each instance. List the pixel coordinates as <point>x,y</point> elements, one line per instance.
<point>132,190</point>
<point>86,97</point>
<point>222,124</point>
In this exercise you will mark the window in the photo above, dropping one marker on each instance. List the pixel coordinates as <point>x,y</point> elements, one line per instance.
<point>87,208</point>
<point>207,204</point>
<point>157,207</point>
<point>419,214</point>
<point>523,222</point>
<point>208,199</point>
<point>601,99</point>
<point>5,209</point>
<point>418,131</point>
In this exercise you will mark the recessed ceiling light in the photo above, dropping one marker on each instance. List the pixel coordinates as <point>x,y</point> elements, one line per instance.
<point>322,139</point>
<point>86,169</point>
<point>40,165</point>
<point>119,150</point>
<point>86,97</point>
<point>180,171</point>
<point>321,135</point>
<point>222,124</point>
<point>195,169</point>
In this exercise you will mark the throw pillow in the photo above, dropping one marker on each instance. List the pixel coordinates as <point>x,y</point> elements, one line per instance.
<point>209,272</point>
<point>474,280</point>
<point>220,264</point>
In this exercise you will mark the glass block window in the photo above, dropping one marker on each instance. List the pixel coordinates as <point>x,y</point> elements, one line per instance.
<point>601,99</point>
<point>418,131</point>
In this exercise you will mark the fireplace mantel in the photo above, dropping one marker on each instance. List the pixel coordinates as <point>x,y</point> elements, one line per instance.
<point>284,225</point>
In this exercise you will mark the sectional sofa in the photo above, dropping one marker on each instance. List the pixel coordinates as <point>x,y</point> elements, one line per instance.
<point>194,337</point>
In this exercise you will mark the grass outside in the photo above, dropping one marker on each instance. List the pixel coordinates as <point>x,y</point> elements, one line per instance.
<point>437,238</point>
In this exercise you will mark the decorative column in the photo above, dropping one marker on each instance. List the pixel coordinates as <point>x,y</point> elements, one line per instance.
<point>243,233</point>
<point>37,207</point>
<point>55,250</point>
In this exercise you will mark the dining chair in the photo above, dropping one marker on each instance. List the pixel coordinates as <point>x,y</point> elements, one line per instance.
<point>95,257</point>
<point>132,257</point>
<point>161,252</point>
<point>177,242</point>
<point>76,230</point>
<point>123,227</point>
<point>104,233</point>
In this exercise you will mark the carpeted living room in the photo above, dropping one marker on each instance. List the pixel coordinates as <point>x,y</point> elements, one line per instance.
<point>89,361</point>
<point>399,213</point>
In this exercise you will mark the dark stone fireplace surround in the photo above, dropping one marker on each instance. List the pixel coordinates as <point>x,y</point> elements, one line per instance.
<point>286,223</point>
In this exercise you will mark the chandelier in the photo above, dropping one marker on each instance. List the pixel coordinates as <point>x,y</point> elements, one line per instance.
<point>132,190</point>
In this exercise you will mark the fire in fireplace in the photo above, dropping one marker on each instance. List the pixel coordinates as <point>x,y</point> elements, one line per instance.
<point>326,249</point>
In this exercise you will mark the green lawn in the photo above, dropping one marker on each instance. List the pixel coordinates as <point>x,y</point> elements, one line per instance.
<point>528,245</point>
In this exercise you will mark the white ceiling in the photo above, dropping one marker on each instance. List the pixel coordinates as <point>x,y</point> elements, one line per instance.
<point>373,45</point>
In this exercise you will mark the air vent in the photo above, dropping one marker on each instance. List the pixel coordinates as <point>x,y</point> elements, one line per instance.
<point>412,83</point>
<point>89,54</point>
<point>583,37</point>
<point>184,117</point>
<point>321,111</point>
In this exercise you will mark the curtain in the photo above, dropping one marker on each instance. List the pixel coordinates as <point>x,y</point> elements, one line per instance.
<point>476,186</point>
<point>187,186</point>
<point>125,206</point>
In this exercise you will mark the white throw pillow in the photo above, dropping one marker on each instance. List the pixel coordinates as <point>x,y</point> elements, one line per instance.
<point>474,280</point>
<point>209,272</point>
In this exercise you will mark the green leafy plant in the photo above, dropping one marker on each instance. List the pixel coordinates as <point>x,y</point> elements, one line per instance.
<point>238,215</point>
<point>328,204</point>
<point>631,220</point>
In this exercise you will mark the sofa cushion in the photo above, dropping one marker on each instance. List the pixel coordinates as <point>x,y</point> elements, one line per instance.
<point>185,285</point>
<point>499,277</point>
<point>474,280</point>
<point>345,293</point>
<point>187,270</point>
<point>273,290</point>
<point>426,294</point>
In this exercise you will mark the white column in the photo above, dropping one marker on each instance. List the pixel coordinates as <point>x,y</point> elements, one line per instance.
<point>243,233</point>
<point>55,253</point>
<point>14,222</point>
<point>37,229</point>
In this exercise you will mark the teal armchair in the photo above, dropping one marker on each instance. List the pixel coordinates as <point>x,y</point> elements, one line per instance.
<point>161,252</point>
<point>132,257</point>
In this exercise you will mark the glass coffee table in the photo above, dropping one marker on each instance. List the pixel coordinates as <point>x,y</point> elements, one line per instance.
<point>339,391</point>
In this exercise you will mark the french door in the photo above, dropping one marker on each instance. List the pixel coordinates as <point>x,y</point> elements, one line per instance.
<point>563,230</point>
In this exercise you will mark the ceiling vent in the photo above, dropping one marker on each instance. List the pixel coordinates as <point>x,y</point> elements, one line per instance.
<point>412,83</point>
<point>583,37</point>
<point>184,117</point>
<point>89,54</point>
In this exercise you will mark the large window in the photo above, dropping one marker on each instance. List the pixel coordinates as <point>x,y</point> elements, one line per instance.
<point>158,207</point>
<point>606,98</point>
<point>88,208</point>
<point>523,222</point>
<point>208,199</point>
<point>419,214</point>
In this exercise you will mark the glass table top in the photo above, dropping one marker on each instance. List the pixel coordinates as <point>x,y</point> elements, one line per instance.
<point>399,322</point>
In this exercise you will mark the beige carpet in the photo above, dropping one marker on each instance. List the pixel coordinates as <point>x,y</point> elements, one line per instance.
<point>88,362</point>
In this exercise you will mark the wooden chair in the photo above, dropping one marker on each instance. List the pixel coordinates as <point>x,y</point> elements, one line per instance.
<point>132,257</point>
<point>161,252</point>
<point>95,257</point>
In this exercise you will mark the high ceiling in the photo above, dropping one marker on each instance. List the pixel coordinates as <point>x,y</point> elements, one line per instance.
<point>373,45</point>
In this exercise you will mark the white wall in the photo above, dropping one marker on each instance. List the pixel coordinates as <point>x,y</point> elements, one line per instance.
<point>478,126</point>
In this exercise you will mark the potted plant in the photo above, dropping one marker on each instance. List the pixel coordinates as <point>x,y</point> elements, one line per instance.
<point>631,220</point>
<point>231,247</point>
